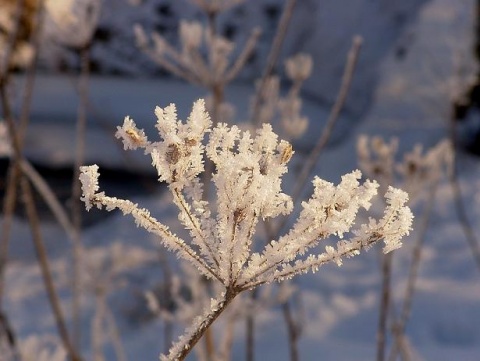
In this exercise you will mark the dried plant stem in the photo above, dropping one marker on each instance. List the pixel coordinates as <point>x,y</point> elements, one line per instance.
<point>460,208</point>
<point>6,331</point>
<point>45,268</point>
<point>384,305</point>
<point>292,330</point>
<point>13,173</point>
<point>347,78</point>
<point>398,328</point>
<point>309,164</point>
<point>115,336</point>
<point>97,324</point>
<point>273,57</point>
<point>76,190</point>
<point>35,229</point>
<point>49,197</point>
<point>250,330</point>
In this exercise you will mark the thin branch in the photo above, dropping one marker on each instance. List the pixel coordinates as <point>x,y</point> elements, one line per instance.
<point>194,223</point>
<point>45,268</point>
<point>250,329</point>
<point>347,78</point>
<point>399,325</point>
<point>13,172</point>
<point>115,336</point>
<point>273,56</point>
<point>49,197</point>
<point>460,208</point>
<point>384,305</point>
<point>81,127</point>
<point>35,229</point>
<point>314,155</point>
<point>243,57</point>
<point>292,330</point>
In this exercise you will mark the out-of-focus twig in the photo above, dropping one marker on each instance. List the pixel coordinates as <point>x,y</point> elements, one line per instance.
<point>272,57</point>
<point>460,208</point>
<point>76,189</point>
<point>384,305</point>
<point>35,229</point>
<point>398,327</point>
<point>309,164</point>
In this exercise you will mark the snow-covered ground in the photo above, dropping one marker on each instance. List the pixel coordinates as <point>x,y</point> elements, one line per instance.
<point>339,305</point>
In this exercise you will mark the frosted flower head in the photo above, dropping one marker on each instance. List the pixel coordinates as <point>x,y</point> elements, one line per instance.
<point>249,170</point>
<point>178,157</point>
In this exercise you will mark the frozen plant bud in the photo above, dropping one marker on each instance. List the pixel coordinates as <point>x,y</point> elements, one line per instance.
<point>299,67</point>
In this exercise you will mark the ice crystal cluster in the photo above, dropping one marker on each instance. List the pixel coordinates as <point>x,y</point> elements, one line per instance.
<point>247,177</point>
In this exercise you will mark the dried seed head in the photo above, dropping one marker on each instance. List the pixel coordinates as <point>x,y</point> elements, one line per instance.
<point>134,136</point>
<point>286,154</point>
<point>173,154</point>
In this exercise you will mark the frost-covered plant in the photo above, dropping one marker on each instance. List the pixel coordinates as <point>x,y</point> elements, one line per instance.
<point>247,178</point>
<point>419,173</point>
<point>215,68</point>
<point>414,173</point>
<point>288,108</point>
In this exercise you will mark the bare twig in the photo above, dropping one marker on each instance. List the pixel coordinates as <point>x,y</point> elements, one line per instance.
<point>76,189</point>
<point>384,305</point>
<point>115,336</point>
<point>11,193</point>
<point>250,330</point>
<point>35,229</point>
<point>460,208</point>
<point>293,331</point>
<point>49,197</point>
<point>309,164</point>
<point>398,327</point>
<point>273,56</point>
<point>13,171</point>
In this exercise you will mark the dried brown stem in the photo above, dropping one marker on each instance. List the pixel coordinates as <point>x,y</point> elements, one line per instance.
<point>384,305</point>
<point>77,208</point>
<point>399,325</point>
<point>35,229</point>
<point>13,173</point>
<point>460,208</point>
<point>292,330</point>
